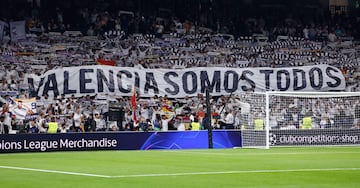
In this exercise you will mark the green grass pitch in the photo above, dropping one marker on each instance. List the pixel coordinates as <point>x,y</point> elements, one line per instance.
<point>277,167</point>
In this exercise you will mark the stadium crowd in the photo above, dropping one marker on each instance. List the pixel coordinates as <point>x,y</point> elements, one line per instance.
<point>133,39</point>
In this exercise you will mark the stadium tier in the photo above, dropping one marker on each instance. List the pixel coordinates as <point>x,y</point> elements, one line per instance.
<point>133,70</point>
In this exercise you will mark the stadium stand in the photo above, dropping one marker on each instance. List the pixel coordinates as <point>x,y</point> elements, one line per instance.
<point>141,40</point>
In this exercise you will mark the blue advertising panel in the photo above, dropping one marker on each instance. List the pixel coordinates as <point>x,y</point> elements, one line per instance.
<point>59,142</point>
<point>192,140</point>
<point>117,141</point>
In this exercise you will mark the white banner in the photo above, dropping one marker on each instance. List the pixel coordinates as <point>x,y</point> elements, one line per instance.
<point>90,80</point>
<point>17,30</point>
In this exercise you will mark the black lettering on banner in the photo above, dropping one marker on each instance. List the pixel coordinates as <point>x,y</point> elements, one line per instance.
<point>267,78</point>
<point>167,79</point>
<point>119,81</point>
<point>151,83</point>
<point>51,84</point>
<point>219,81</point>
<point>298,78</point>
<point>312,78</point>
<point>205,82</point>
<point>66,84</point>
<point>31,84</point>
<point>84,81</point>
<point>329,71</point>
<point>235,81</point>
<point>137,80</point>
<point>102,78</point>
<point>244,76</point>
<point>280,80</point>
<point>185,83</point>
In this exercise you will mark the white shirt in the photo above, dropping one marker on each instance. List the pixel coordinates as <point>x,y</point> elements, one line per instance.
<point>7,119</point>
<point>100,123</point>
<point>229,119</point>
<point>165,125</point>
<point>145,113</point>
<point>77,119</point>
<point>20,113</point>
<point>2,130</point>
<point>181,127</point>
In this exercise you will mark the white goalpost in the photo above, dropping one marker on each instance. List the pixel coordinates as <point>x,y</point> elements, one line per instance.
<point>301,119</point>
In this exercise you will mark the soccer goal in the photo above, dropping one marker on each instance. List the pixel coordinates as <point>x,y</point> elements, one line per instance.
<point>301,119</point>
<point>252,119</point>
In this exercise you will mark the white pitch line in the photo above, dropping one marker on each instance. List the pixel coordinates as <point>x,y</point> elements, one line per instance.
<point>55,171</point>
<point>179,174</point>
<point>236,172</point>
<point>254,154</point>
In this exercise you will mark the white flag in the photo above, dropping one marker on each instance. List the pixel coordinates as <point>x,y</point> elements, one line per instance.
<point>17,30</point>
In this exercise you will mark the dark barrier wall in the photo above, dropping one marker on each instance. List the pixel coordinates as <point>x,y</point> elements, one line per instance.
<point>117,141</point>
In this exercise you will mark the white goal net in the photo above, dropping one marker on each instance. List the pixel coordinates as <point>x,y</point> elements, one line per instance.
<point>301,119</point>
<point>253,119</point>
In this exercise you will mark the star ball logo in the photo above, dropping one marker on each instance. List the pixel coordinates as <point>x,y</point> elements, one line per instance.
<point>272,139</point>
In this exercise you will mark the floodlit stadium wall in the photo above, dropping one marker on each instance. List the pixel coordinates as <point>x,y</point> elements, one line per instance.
<point>118,141</point>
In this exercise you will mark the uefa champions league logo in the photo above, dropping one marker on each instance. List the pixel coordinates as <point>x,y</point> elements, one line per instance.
<point>272,139</point>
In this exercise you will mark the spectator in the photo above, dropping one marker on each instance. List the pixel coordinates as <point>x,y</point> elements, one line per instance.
<point>332,37</point>
<point>77,118</point>
<point>100,122</point>
<point>195,125</point>
<point>165,122</point>
<point>3,128</point>
<point>90,124</point>
<point>357,116</point>
<point>157,122</point>
<point>32,127</point>
<point>228,122</point>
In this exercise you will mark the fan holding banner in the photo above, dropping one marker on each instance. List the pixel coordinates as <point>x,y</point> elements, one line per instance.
<point>134,105</point>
